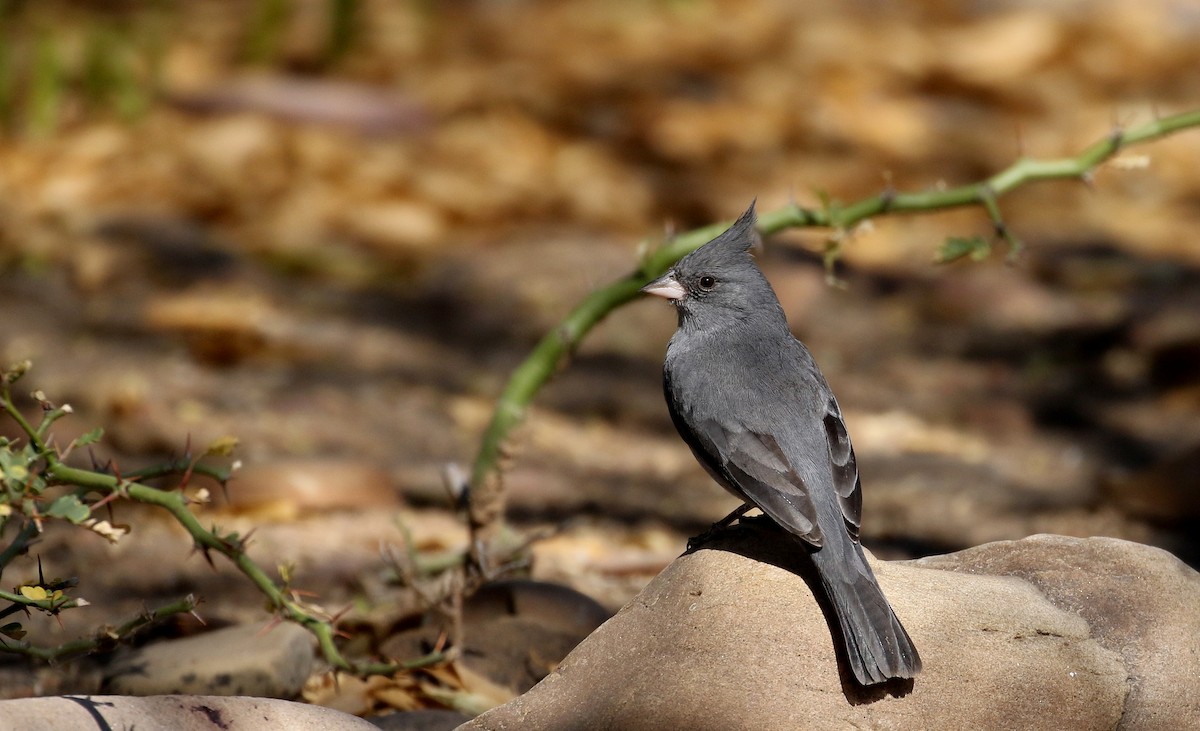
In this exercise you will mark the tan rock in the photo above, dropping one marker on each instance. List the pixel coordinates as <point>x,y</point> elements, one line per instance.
<point>171,713</point>
<point>515,631</point>
<point>240,660</point>
<point>1138,601</point>
<point>1047,632</point>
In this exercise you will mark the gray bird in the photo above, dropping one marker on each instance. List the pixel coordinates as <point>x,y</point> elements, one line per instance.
<point>751,403</point>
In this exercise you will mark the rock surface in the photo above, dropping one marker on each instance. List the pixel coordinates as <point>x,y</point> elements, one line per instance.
<point>250,660</point>
<point>424,720</point>
<point>172,713</point>
<point>516,631</point>
<point>1138,601</point>
<point>1045,632</point>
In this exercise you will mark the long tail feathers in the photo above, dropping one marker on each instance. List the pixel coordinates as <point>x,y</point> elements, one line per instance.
<point>877,646</point>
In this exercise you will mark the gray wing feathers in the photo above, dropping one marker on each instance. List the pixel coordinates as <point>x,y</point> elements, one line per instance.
<point>758,467</point>
<point>845,468</point>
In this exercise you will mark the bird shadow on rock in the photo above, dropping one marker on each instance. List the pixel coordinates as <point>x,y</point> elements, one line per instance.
<point>759,538</point>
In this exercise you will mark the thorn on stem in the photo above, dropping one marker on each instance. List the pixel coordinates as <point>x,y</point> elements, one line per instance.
<point>207,556</point>
<point>457,484</point>
<point>1117,137</point>
<point>887,198</point>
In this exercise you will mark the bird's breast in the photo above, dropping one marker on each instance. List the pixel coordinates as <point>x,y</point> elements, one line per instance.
<point>754,381</point>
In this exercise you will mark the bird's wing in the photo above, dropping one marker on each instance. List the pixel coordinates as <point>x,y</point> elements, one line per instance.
<point>756,465</point>
<point>845,468</point>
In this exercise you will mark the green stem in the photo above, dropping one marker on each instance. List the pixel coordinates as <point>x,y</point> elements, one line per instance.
<point>46,605</point>
<point>206,540</point>
<point>551,351</point>
<point>103,637</point>
<point>176,504</point>
<point>179,466</point>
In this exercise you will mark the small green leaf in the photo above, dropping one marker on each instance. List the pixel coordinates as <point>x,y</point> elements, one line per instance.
<point>90,438</point>
<point>955,248</point>
<point>14,470</point>
<point>221,447</point>
<point>68,507</point>
<point>13,630</point>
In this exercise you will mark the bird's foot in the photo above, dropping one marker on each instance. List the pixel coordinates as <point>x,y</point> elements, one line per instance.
<point>696,542</point>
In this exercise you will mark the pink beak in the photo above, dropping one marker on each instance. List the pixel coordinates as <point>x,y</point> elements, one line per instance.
<point>666,287</point>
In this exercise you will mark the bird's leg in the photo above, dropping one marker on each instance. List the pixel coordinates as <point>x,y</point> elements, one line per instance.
<point>734,514</point>
<point>697,541</point>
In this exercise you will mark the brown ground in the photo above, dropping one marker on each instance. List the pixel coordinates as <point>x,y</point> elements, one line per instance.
<point>346,289</point>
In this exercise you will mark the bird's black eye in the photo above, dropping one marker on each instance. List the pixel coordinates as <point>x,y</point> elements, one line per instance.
<point>707,282</point>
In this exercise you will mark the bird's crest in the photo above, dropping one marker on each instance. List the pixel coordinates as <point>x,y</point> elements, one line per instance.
<point>727,249</point>
<point>741,236</point>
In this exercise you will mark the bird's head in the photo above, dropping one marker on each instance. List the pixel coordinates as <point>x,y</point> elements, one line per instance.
<point>719,282</point>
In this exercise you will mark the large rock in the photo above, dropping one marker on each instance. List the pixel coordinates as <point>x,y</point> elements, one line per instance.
<point>1046,632</point>
<point>1138,601</point>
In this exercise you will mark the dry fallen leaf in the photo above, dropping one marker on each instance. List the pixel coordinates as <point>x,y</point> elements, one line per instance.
<point>112,533</point>
<point>464,690</point>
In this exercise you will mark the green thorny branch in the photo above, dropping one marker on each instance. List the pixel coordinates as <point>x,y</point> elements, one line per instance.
<point>51,469</point>
<point>487,494</point>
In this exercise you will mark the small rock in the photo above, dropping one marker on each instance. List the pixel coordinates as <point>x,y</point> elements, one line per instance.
<point>516,631</point>
<point>172,713</point>
<point>554,605</point>
<point>240,660</point>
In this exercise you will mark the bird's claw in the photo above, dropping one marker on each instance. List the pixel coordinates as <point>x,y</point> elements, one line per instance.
<point>696,542</point>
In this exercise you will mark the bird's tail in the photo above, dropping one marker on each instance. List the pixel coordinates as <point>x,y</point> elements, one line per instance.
<point>877,647</point>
